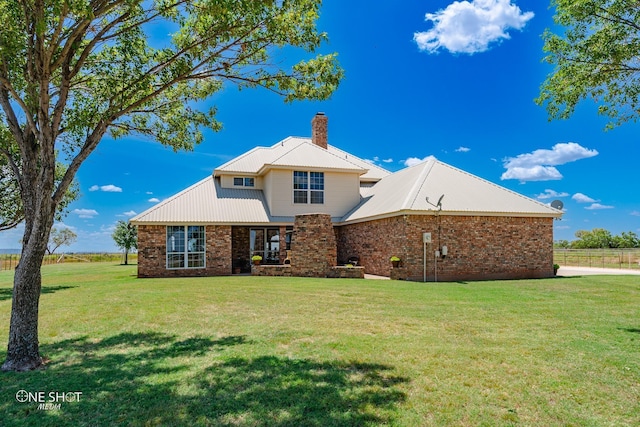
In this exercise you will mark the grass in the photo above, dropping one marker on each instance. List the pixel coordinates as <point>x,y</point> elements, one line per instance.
<point>249,351</point>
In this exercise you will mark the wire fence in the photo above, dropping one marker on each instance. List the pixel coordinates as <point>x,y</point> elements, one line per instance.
<point>602,258</point>
<point>10,261</point>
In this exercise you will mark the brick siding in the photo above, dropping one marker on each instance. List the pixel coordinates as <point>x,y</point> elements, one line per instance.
<point>480,247</point>
<point>313,245</point>
<point>152,241</point>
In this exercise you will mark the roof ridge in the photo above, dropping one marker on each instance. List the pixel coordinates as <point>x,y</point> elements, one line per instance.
<point>412,195</point>
<point>315,147</point>
<point>241,156</point>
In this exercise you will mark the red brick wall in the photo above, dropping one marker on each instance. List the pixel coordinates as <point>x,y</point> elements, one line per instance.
<point>152,252</point>
<point>313,245</point>
<point>479,247</point>
<point>319,130</point>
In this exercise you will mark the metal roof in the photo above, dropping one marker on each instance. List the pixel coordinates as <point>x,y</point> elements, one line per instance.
<point>405,191</point>
<point>206,202</point>
<point>408,189</point>
<point>300,152</point>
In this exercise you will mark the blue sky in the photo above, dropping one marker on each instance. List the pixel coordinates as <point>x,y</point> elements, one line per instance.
<point>455,80</point>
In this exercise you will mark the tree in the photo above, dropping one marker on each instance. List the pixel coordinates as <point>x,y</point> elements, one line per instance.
<point>60,237</point>
<point>597,57</point>
<point>11,210</point>
<point>126,238</point>
<point>71,72</point>
<point>627,239</point>
<point>596,238</point>
<point>10,207</point>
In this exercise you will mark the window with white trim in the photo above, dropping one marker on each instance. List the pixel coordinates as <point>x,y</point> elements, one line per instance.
<point>308,187</point>
<point>245,181</point>
<point>185,246</point>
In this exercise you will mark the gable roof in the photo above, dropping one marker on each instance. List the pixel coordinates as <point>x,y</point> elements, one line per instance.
<point>407,190</point>
<point>302,153</point>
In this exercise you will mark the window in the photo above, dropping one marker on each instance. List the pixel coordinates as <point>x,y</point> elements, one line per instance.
<point>308,187</point>
<point>185,246</point>
<point>244,182</point>
<point>266,243</point>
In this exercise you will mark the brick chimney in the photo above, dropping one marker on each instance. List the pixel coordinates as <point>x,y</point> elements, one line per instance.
<point>319,130</point>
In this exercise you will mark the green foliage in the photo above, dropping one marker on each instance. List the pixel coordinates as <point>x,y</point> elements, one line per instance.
<point>601,238</point>
<point>10,205</point>
<point>596,57</point>
<point>126,237</point>
<point>102,70</point>
<point>11,209</point>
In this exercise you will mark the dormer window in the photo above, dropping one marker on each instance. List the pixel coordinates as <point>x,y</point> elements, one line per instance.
<point>308,187</point>
<point>244,181</point>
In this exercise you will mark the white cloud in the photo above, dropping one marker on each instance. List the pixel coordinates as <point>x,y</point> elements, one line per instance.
<point>85,213</point>
<point>470,27</point>
<point>533,173</point>
<point>412,161</point>
<point>551,194</point>
<point>582,198</point>
<point>149,192</point>
<point>377,160</point>
<point>539,165</point>
<point>154,200</point>
<point>635,213</point>
<point>110,188</point>
<point>63,225</point>
<point>462,150</point>
<point>598,206</point>
<point>130,213</point>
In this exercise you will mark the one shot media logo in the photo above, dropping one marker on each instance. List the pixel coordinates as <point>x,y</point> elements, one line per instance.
<point>50,400</point>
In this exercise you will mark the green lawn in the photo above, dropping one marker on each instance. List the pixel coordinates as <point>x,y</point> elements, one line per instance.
<point>246,351</point>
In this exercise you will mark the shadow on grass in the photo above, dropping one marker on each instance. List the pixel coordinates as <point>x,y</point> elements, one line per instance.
<point>158,379</point>
<point>632,330</point>
<point>6,294</point>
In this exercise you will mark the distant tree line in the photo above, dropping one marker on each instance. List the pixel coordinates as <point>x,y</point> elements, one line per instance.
<point>600,238</point>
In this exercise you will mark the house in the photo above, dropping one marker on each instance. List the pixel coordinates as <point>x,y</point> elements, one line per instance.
<point>306,206</point>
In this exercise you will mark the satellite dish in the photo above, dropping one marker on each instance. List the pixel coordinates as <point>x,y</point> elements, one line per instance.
<point>437,205</point>
<point>557,204</point>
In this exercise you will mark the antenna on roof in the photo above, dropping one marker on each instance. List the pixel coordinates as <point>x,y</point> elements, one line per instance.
<point>438,204</point>
<point>557,204</point>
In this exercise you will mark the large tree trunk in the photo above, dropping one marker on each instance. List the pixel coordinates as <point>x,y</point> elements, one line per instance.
<point>22,351</point>
<point>37,183</point>
<point>23,347</point>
